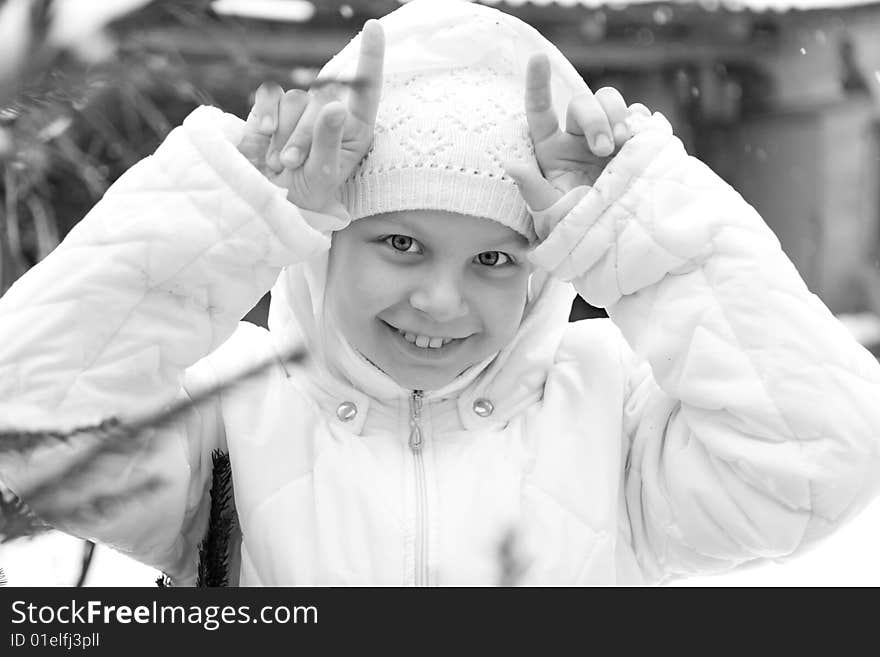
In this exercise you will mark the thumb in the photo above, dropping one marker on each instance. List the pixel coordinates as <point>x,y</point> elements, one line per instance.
<point>537,192</point>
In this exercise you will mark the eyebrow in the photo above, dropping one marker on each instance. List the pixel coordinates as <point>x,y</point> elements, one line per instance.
<point>518,242</point>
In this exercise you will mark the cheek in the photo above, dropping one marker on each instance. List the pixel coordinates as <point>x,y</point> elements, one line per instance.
<point>501,305</point>
<point>376,286</point>
<point>361,286</point>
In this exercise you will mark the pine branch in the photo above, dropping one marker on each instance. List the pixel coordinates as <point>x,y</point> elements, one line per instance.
<point>214,549</point>
<point>178,409</point>
<point>24,441</point>
<point>93,444</point>
<point>17,520</point>
<point>79,513</point>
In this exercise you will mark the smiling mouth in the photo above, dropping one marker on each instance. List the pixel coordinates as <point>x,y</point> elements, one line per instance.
<point>424,343</point>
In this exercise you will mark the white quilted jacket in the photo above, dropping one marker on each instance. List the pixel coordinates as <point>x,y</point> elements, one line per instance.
<point>721,415</point>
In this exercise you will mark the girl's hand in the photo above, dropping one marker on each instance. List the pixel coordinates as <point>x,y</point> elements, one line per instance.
<point>595,129</point>
<point>309,143</point>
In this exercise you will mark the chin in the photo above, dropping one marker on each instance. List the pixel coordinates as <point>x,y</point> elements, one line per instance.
<point>413,379</point>
<point>422,381</point>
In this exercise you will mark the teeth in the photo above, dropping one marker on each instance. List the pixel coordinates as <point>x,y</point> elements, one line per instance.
<point>424,341</point>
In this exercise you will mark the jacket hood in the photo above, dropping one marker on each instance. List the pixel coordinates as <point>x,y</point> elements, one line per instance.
<point>296,314</point>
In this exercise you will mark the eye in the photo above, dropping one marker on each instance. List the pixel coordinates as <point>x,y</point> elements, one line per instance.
<point>494,259</point>
<point>403,243</point>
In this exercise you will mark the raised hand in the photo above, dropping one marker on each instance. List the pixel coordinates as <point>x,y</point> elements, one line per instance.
<point>595,128</point>
<point>309,143</point>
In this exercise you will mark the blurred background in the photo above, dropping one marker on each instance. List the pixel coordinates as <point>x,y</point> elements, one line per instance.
<point>780,97</point>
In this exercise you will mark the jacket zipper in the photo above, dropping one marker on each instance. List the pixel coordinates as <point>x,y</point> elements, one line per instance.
<point>415,446</point>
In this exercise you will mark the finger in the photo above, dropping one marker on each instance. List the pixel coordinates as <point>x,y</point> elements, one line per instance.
<point>638,108</point>
<point>364,98</point>
<point>615,109</point>
<point>299,144</point>
<point>261,124</point>
<point>539,99</point>
<point>537,192</point>
<point>322,166</point>
<point>585,116</point>
<point>253,145</point>
<point>265,110</point>
<point>636,116</point>
<point>290,110</point>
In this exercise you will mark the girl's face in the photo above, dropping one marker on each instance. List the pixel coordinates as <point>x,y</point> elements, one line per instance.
<point>424,294</point>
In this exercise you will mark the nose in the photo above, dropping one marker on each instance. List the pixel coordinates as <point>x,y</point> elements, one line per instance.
<point>439,296</point>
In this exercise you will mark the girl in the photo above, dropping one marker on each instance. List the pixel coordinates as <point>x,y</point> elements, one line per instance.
<point>424,238</point>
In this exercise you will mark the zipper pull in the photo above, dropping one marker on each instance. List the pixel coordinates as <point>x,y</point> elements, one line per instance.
<point>415,411</point>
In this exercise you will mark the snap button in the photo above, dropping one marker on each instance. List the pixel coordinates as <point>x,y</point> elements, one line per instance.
<point>346,411</point>
<point>483,407</point>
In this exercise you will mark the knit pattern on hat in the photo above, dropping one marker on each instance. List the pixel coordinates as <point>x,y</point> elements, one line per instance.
<point>440,142</point>
<point>451,112</point>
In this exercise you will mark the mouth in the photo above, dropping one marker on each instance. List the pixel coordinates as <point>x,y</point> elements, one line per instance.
<point>424,346</point>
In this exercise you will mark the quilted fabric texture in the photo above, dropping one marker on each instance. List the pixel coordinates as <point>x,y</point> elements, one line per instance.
<point>722,414</point>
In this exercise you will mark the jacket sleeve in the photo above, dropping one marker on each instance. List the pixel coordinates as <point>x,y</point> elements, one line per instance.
<point>113,322</point>
<point>751,413</point>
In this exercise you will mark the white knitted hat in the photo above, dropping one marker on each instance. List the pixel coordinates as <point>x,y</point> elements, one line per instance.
<point>452,111</point>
